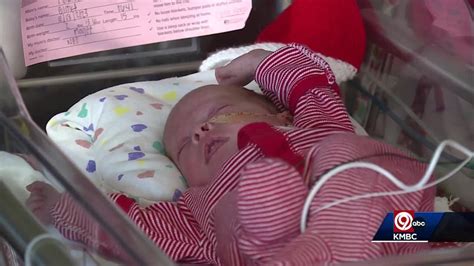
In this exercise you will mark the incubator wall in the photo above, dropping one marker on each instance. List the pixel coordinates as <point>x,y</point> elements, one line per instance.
<point>415,89</point>
<point>416,85</point>
<point>27,155</point>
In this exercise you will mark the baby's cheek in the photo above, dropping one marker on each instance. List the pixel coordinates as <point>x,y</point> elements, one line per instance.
<point>193,172</point>
<point>198,178</point>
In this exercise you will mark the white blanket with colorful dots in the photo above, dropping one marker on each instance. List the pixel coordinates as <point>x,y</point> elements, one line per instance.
<point>115,136</point>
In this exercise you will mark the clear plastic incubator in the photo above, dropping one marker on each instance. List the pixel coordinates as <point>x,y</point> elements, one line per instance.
<point>414,89</point>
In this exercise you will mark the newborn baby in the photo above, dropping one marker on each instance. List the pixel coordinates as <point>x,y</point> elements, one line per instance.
<point>201,131</point>
<point>250,161</point>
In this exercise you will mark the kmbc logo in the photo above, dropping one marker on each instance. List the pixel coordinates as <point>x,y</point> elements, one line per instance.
<point>408,226</point>
<point>403,221</point>
<point>404,224</point>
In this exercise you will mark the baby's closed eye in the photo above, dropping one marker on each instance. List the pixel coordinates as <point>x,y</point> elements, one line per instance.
<point>183,145</point>
<point>216,111</point>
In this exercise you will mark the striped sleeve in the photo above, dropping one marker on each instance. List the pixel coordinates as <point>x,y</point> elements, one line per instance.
<point>297,79</point>
<point>76,224</point>
<point>270,197</point>
<point>165,223</point>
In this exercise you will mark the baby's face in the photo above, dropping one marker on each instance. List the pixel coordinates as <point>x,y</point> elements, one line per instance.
<point>196,142</point>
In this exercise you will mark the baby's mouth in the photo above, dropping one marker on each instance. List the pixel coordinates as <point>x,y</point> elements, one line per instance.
<point>212,146</point>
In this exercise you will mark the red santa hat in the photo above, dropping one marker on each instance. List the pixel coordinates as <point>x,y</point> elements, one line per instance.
<point>332,28</point>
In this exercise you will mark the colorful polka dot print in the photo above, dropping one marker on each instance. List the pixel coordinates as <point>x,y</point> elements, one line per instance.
<point>115,137</point>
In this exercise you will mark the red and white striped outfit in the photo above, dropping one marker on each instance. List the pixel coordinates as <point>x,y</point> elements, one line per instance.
<point>249,213</point>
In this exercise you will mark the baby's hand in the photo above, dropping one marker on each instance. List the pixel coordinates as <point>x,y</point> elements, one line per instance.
<point>241,70</point>
<point>42,199</point>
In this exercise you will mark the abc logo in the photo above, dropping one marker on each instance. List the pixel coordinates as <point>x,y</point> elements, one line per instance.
<point>404,222</point>
<point>418,223</point>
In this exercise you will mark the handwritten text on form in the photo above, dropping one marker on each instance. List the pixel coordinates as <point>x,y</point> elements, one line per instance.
<point>54,29</point>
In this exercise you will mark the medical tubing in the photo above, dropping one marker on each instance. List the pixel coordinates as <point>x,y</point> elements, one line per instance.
<point>33,243</point>
<point>392,193</point>
<point>411,132</point>
<point>405,188</point>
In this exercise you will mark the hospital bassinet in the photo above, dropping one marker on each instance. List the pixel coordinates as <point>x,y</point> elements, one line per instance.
<point>413,91</point>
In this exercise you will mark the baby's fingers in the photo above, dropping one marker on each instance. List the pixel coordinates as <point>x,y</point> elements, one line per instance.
<point>35,208</point>
<point>35,186</point>
<point>35,202</point>
<point>223,75</point>
<point>41,212</point>
<point>232,75</point>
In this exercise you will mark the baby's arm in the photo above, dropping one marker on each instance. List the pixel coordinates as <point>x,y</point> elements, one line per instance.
<point>53,208</point>
<point>42,198</point>
<point>241,71</point>
<point>165,223</point>
<point>296,79</point>
<point>301,81</point>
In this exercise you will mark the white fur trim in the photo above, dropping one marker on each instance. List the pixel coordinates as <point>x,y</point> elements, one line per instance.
<point>223,57</point>
<point>342,70</point>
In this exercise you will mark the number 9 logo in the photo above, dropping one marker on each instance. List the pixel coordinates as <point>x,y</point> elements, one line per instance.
<point>403,221</point>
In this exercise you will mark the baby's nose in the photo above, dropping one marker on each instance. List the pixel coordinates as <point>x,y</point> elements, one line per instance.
<point>201,130</point>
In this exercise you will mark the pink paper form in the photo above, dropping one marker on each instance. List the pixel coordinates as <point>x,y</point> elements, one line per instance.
<point>54,29</point>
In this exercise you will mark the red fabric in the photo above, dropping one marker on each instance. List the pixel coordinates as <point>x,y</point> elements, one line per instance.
<point>270,196</point>
<point>271,142</point>
<point>124,203</point>
<point>330,27</point>
<point>301,88</point>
